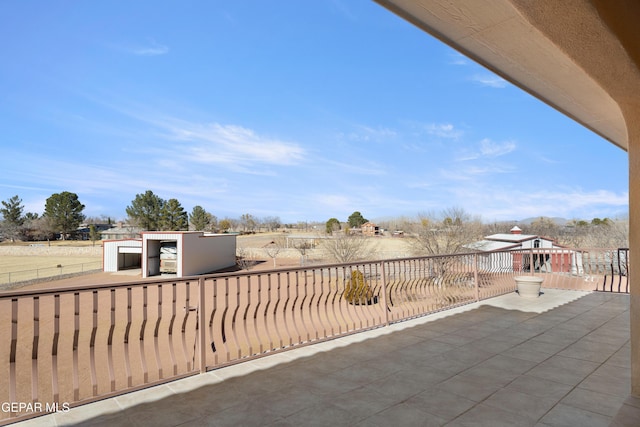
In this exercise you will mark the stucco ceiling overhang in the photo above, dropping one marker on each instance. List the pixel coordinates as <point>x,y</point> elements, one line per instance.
<point>578,56</point>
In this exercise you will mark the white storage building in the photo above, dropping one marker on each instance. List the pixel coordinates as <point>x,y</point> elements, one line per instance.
<point>186,253</point>
<point>121,254</point>
<point>183,253</point>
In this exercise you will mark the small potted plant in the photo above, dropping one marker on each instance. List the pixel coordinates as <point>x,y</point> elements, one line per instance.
<point>529,286</point>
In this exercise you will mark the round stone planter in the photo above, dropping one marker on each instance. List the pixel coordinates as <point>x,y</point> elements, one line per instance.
<point>529,286</point>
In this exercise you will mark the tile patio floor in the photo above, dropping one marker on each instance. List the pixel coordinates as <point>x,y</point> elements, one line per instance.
<point>559,360</point>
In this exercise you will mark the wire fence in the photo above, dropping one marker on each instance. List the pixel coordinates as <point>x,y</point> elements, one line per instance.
<point>59,271</point>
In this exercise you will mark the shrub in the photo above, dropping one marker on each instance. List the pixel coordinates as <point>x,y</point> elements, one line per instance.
<point>357,291</point>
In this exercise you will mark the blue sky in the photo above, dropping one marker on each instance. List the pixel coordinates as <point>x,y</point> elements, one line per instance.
<point>302,110</point>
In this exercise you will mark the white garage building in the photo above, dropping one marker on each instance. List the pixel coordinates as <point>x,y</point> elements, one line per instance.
<point>183,253</point>
<point>122,254</point>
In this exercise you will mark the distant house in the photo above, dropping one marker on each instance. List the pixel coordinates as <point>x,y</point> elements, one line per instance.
<point>121,231</point>
<point>84,231</point>
<point>370,229</point>
<point>529,252</point>
<point>513,240</point>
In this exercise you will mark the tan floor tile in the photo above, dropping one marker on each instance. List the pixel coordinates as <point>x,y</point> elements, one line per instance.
<point>600,403</point>
<point>604,384</point>
<point>568,416</point>
<point>488,416</point>
<point>539,387</point>
<point>509,364</point>
<point>466,387</point>
<point>589,350</point>
<point>441,403</point>
<point>565,370</point>
<point>533,407</point>
<point>402,415</point>
<point>322,414</point>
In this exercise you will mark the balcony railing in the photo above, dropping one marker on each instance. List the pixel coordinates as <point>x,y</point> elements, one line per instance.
<point>68,346</point>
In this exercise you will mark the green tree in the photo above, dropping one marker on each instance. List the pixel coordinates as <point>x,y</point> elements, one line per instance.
<point>332,225</point>
<point>173,217</point>
<point>12,210</point>
<point>30,216</point>
<point>13,221</point>
<point>64,212</point>
<point>145,210</point>
<point>598,221</point>
<point>199,218</point>
<point>94,234</point>
<point>356,220</point>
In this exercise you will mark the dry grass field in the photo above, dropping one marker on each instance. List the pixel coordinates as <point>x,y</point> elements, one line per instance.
<point>20,262</point>
<point>381,247</point>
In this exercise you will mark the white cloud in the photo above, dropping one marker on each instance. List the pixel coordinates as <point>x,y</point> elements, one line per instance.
<point>443,130</point>
<point>498,202</point>
<point>236,147</point>
<point>151,48</point>
<point>490,80</point>
<point>458,59</point>
<point>363,167</point>
<point>343,9</point>
<point>217,143</point>
<point>489,148</point>
<point>578,199</point>
<point>370,134</point>
<point>472,173</point>
<point>336,201</point>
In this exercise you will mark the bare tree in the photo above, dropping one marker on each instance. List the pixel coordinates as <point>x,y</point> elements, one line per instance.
<point>619,233</point>
<point>271,222</point>
<point>544,227</point>
<point>274,247</point>
<point>40,228</point>
<point>248,222</point>
<point>497,227</point>
<point>446,233</point>
<point>344,248</point>
<point>244,258</point>
<point>597,234</point>
<point>302,246</point>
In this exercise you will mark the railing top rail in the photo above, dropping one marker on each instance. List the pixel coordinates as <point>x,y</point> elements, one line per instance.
<point>157,280</point>
<point>139,283</point>
<point>560,250</point>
